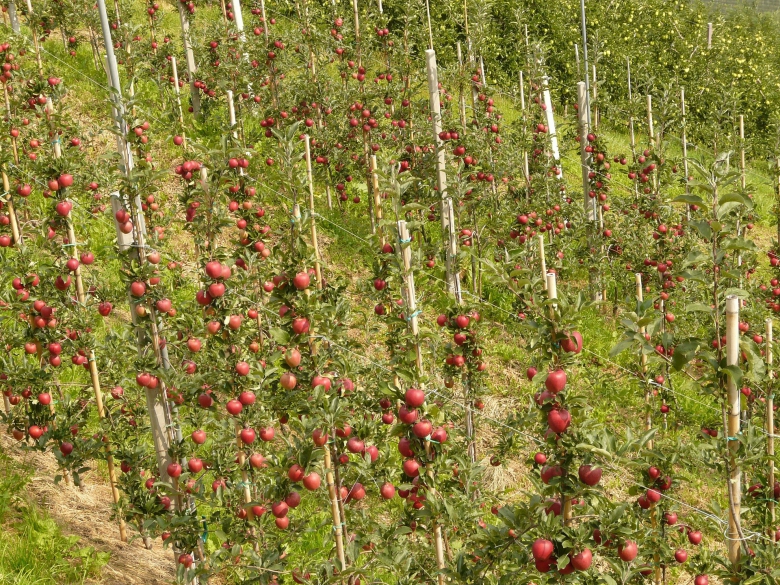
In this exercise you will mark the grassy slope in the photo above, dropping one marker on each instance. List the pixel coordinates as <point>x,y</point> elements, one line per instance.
<point>33,548</point>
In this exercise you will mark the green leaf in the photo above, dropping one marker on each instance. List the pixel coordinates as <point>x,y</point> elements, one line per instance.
<point>698,307</point>
<point>689,199</point>
<point>736,198</point>
<point>738,243</point>
<point>280,336</point>
<point>704,229</point>
<point>622,346</point>
<point>735,373</point>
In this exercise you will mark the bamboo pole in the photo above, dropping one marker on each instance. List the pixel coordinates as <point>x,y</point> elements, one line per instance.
<point>447,211</point>
<point>409,293</point>
<point>632,138</point>
<point>643,362</point>
<point>312,222</point>
<point>265,21</point>
<point>177,93</point>
<point>378,214</point>
<point>526,172</point>
<point>648,422</point>
<point>334,508</point>
<point>685,149</point>
<point>733,429</point>
<point>596,113</point>
<point>650,127</point>
<point>15,233</point>
<point>356,15</point>
<point>742,175</point>
<point>770,423</point>
<point>462,93</point>
<point>36,41</point>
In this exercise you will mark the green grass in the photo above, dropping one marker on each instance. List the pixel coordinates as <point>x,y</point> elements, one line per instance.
<point>33,549</point>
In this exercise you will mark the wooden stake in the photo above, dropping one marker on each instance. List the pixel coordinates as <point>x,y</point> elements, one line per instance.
<point>542,260</point>
<point>733,429</point>
<point>650,129</point>
<point>177,93</point>
<point>36,43</point>
<point>312,222</point>
<point>447,211</point>
<point>685,149</point>
<point>334,508</point>
<point>409,294</point>
<point>15,233</point>
<point>742,176</point>
<point>526,171</point>
<point>244,476</point>
<point>356,14</point>
<point>643,362</point>
<point>770,422</point>
<point>709,35</point>
<point>462,94</point>
<point>265,21</point>
<point>377,199</point>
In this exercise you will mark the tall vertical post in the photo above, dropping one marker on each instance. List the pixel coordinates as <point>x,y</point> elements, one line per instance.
<point>631,137</point>
<point>595,87</point>
<point>551,125</point>
<point>378,214</point>
<point>709,35</point>
<point>526,172</point>
<point>643,363</point>
<point>312,222</point>
<point>742,175</point>
<point>36,40</point>
<point>733,429</point>
<point>177,93</point>
<point>462,93</point>
<point>239,18</point>
<point>13,17</point>
<point>770,422</point>
<point>585,159</point>
<point>189,55</point>
<point>154,398</point>
<point>265,21</point>
<point>408,290</point>
<point>584,32</point>
<point>356,15</point>
<point>542,260</point>
<point>685,148</point>
<point>650,129</point>
<point>447,211</point>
